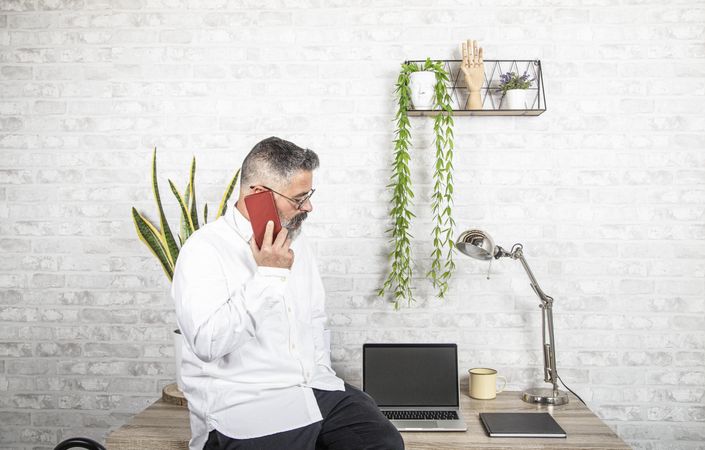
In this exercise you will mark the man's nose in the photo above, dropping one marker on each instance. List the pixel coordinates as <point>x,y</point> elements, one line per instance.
<point>307,206</point>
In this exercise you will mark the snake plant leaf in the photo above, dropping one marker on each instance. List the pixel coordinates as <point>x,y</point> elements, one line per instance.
<point>192,189</point>
<point>171,247</point>
<point>152,239</point>
<point>162,243</point>
<point>182,221</point>
<point>156,232</point>
<point>187,228</point>
<point>226,196</point>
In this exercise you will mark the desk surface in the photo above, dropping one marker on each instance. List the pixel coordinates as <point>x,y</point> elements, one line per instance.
<point>166,427</point>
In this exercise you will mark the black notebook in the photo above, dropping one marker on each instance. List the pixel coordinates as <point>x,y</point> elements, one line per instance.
<point>521,425</point>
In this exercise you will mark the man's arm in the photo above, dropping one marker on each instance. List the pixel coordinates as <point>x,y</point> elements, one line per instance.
<point>318,323</point>
<point>216,319</point>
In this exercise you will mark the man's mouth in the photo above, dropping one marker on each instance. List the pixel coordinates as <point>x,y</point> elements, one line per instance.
<point>295,222</point>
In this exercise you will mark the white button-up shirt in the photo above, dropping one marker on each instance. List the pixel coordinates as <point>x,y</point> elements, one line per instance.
<point>254,336</point>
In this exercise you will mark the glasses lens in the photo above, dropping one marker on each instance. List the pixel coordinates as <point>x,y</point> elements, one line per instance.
<point>305,198</point>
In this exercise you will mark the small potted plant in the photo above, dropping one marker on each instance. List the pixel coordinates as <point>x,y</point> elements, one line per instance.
<point>399,276</point>
<point>514,88</point>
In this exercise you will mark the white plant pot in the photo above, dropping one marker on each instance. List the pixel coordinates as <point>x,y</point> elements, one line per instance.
<point>516,99</point>
<point>178,346</point>
<point>422,86</point>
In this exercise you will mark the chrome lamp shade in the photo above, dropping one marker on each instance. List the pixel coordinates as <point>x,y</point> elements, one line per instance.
<point>478,244</point>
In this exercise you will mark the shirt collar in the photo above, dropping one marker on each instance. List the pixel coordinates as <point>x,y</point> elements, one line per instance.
<point>239,223</point>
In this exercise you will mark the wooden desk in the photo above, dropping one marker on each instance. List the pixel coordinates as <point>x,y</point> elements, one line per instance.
<point>164,426</point>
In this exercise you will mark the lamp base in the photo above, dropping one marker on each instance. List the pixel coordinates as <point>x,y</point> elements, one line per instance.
<point>545,396</point>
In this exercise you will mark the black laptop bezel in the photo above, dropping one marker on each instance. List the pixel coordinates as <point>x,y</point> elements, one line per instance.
<point>407,345</point>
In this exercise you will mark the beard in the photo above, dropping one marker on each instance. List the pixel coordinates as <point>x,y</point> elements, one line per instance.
<point>293,225</point>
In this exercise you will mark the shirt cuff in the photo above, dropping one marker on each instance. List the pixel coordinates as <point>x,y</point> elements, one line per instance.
<point>269,285</point>
<point>275,272</point>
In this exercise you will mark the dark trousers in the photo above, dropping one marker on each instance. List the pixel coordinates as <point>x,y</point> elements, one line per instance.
<point>351,421</point>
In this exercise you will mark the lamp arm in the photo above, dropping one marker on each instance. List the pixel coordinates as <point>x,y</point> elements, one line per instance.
<point>549,346</point>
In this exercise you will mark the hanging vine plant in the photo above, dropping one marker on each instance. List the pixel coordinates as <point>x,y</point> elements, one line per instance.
<point>399,278</point>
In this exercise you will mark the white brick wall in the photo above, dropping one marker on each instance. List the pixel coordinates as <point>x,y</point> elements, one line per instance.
<point>606,190</point>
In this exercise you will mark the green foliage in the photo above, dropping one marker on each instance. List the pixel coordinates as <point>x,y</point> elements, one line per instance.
<point>399,278</point>
<point>161,242</point>
<point>512,80</point>
<point>443,265</point>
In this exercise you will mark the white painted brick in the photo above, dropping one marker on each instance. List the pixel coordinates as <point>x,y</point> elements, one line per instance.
<point>16,73</point>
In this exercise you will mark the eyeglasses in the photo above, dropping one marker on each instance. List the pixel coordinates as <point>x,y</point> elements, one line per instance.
<point>298,202</point>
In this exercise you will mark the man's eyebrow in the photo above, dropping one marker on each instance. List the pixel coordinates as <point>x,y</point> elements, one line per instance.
<point>302,194</point>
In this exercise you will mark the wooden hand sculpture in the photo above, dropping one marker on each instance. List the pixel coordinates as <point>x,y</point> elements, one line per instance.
<point>474,70</point>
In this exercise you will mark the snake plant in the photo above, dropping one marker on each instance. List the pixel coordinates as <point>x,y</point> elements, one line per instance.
<point>161,242</point>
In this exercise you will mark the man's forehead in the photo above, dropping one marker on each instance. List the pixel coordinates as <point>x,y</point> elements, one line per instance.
<point>301,181</point>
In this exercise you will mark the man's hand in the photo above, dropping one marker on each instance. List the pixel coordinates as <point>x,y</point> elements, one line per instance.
<point>473,68</point>
<point>276,253</point>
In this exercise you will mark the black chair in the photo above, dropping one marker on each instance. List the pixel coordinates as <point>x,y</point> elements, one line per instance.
<point>79,442</point>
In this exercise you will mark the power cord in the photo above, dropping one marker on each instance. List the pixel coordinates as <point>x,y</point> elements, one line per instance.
<point>571,391</point>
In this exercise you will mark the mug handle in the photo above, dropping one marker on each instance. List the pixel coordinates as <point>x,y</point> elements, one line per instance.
<point>504,385</point>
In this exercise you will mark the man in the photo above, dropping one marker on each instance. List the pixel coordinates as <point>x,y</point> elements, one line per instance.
<point>256,368</point>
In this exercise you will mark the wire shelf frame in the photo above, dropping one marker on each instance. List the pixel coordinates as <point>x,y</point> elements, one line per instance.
<point>492,98</point>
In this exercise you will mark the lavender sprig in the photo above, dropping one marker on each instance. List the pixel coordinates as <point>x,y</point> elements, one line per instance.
<point>512,80</point>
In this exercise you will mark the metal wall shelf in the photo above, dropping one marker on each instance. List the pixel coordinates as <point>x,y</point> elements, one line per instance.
<point>491,99</point>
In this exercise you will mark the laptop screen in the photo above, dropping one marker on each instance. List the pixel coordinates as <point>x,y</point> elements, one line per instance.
<point>411,374</point>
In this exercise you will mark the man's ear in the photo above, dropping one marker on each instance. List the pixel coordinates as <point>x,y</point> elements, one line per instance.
<point>255,188</point>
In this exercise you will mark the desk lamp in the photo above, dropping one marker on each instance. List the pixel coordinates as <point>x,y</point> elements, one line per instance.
<point>479,245</point>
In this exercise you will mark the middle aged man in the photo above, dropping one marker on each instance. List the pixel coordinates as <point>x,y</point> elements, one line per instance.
<point>256,368</point>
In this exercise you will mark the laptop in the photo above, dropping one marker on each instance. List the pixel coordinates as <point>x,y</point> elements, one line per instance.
<point>414,385</point>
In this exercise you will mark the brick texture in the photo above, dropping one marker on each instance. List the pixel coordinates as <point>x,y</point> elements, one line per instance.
<point>606,191</point>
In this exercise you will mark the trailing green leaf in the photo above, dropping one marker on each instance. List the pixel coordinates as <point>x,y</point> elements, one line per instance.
<point>442,265</point>
<point>400,275</point>
<point>399,278</point>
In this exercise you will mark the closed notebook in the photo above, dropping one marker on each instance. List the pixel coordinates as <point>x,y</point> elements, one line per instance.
<point>521,425</point>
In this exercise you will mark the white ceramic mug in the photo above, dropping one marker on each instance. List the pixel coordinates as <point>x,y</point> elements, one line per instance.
<point>483,383</point>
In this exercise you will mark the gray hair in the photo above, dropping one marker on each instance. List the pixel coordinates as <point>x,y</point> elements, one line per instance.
<point>275,161</point>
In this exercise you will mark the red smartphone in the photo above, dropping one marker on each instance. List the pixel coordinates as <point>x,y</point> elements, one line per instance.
<point>261,209</point>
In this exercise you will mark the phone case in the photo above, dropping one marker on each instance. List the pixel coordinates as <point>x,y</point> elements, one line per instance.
<point>261,208</point>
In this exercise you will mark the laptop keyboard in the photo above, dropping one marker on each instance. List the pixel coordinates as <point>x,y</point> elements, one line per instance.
<point>421,415</point>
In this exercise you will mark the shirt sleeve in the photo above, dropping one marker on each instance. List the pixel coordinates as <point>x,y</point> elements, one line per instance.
<point>215,318</point>
<point>318,323</point>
